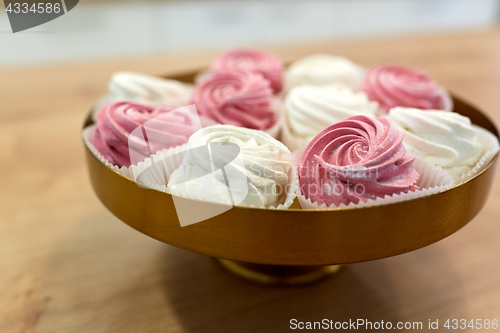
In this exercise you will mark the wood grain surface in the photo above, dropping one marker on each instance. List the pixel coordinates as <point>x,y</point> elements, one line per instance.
<point>68,265</point>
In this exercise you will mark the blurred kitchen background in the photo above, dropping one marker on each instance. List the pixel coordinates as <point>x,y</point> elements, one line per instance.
<point>102,29</point>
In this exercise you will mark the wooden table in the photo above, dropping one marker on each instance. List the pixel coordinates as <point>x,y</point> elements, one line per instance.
<point>68,265</point>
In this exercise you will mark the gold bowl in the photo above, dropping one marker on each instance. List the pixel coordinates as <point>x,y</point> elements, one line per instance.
<point>294,246</point>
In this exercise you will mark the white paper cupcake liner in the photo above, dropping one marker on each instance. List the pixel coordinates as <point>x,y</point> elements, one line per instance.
<point>159,168</point>
<point>151,171</point>
<point>88,134</point>
<point>490,148</point>
<point>432,179</point>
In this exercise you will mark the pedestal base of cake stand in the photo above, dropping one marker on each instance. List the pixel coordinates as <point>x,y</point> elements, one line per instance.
<point>278,275</point>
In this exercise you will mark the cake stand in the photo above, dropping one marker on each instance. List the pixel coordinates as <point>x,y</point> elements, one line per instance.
<point>296,246</point>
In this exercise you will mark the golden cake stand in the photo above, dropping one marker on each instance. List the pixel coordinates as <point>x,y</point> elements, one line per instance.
<point>295,246</point>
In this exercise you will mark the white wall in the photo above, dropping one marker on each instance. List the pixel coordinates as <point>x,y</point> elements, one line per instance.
<point>103,30</point>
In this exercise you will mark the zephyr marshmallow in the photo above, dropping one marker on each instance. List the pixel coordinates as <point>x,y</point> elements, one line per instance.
<point>310,109</point>
<point>256,174</point>
<point>444,138</point>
